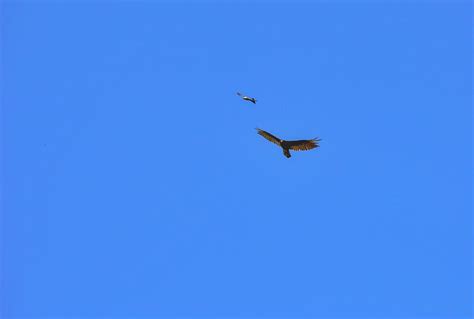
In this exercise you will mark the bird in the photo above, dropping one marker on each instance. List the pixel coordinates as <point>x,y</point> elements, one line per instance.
<point>247,98</point>
<point>299,145</point>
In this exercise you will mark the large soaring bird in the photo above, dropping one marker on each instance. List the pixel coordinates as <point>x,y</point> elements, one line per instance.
<point>247,98</point>
<point>300,145</point>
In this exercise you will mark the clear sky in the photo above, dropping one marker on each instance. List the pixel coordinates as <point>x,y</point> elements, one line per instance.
<point>134,183</point>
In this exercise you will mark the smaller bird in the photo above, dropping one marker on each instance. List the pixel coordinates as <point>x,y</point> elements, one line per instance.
<point>247,98</point>
<point>299,145</point>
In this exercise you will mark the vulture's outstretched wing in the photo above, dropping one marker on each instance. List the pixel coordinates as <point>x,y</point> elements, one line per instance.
<point>269,137</point>
<point>239,94</point>
<point>303,145</point>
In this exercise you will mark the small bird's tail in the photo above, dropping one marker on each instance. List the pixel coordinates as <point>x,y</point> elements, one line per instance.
<point>286,152</point>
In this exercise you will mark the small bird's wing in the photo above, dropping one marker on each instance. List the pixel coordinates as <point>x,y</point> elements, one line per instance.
<point>303,145</point>
<point>247,98</point>
<point>269,137</point>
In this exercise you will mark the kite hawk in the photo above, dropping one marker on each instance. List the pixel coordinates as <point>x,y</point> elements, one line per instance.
<point>300,145</point>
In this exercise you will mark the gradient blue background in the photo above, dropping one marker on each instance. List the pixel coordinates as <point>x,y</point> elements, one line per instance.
<point>134,183</point>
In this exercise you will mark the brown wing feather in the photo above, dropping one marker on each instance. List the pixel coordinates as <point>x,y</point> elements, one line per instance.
<point>303,145</point>
<point>269,137</point>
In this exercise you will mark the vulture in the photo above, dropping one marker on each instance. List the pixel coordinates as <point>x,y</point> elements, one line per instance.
<point>247,98</point>
<point>299,145</point>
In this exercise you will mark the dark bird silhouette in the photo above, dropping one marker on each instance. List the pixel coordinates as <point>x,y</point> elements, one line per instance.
<point>247,98</point>
<point>299,145</point>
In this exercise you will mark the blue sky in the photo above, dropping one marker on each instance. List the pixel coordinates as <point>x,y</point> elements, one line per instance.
<point>134,183</point>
